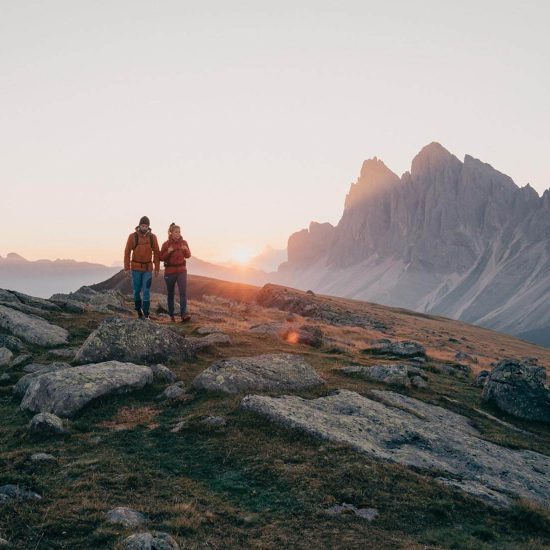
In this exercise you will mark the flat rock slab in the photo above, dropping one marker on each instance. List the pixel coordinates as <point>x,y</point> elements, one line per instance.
<point>25,381</point>
<point>407,431</point>
<point>31,328</point>
<point>269,372</point>
<point>133,340</point>
<point>65,392</point>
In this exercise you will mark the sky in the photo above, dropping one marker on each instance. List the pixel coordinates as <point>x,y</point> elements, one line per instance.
<point>244,121</point>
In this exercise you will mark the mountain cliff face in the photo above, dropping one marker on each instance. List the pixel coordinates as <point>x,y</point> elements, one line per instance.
<point>455,238</point>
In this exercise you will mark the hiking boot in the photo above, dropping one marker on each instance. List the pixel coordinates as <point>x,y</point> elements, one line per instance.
<point>140,314</point>
<point>147,317</point>
<point>172,319</point>
<point>185,317</point>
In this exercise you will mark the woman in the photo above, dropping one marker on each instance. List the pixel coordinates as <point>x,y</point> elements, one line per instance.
<point>174,253</point>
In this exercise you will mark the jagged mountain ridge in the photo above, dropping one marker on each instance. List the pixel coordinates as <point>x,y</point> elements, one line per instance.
<point>454,238</point>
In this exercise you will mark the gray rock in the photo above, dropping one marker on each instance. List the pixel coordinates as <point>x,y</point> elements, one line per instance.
<point>12,343</point>
<point>9,493</point>
<point>519,389</point>
<point>21,360</point>
<point>479,491</point>
<point>42,457</point>
<point>68,353</point>
<point>88,299</point>
<point>5,357</point>
<point>214,421</point>
<point>135,341</point>
<point>31,328</point>
<point>65,392</point>
<point>394,373</point>
<point>25,381</point>
<point>173,392</point>
<point>268,372</point>
<point>208,330</point>
<point>481,378</point>
<point>4,542</point>
<point>308,335</point>
<point>5,378</point>
<point>461,356</point>
<point>404,349</point>
<point>150,541</point>
<point>369,514</point>
<point>46,424</point>
<point>211,340</point>
<point>401,429</point>
<point>454,369</point>
<point>164,374</point>
<point>125,517</point>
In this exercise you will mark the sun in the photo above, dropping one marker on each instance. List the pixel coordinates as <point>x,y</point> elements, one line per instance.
<point>242,255</point>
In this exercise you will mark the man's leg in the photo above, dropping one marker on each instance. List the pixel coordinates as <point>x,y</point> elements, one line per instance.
<point>147,280</point>
<point>137,282</point>
<point>170,281</point>
<point>182,287</point>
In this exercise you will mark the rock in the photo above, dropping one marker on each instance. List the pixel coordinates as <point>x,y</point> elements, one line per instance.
<point>11,492</point>
<point>479,491</point>
<point>21,360</point>
<point>125,517</point>
<point>5,378</point>
<point>268,372</point>
<point>179,426</point>
<point>88,299</point>
<point>405,430</point>
<point>25,381</point>
<point>46,424</point>
<point>43,457</point>
<point>481,378</point>
<point>69,353</point>
<point>164,374</point>
<point>399,374</point>
<point>418,382</point>
<point>31,328</point>
<point>461,356</point>
<point>150,541</point>
<point>5,357</point>
<point>4,542</point>
<point>369,514</point>
<point>306,334</point>
<point>519,389</point>
<point>404,349</point>
<point>173,392</point>
<point>213,339</point>
<point>65,392</point>
<point>208,330</point>
<point>12,343</point>
<point>214,421</point>
<point>134,341</point>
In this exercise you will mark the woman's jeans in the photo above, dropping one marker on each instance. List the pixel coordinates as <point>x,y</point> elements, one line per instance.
<point>181,280</point>
<point>141,282</point>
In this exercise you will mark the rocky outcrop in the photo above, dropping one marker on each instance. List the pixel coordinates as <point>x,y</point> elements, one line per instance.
<point>88,299</point>
<point>519,389</point>
<point>270,372</point>
<point>64,392</point>
<point>134,341</point>
<point>397,374</point>
<point>31,328</point>
<point>34,371</point>
<point>401,429</point>
<point>404,349</point>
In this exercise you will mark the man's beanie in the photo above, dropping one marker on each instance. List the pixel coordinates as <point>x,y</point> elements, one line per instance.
<point>144,220</point>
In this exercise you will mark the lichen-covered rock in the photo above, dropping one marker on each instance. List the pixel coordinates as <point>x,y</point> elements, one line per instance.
<point>402,349</point>
<point>88,299</point>
<point>31,328</point>
<point>21,360</point>
<point>405,430</point>
<point>46,424</point>
<point>66,391</point>
<point>34,371</point>
<point>125,517</point>
<point>12,343</point>
<point>519,389</point>
<point>173,392</point>
<point>164,374</point>
<point>5,357</point>
<point>150,541</point>
<point>135,341</point>
<point>268,372</point>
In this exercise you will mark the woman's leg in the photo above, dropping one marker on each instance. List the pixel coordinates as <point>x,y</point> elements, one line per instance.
<point>182,287</point>
<point>170,281</point>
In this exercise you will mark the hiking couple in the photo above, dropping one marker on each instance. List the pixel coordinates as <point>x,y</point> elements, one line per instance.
<point>142,253</point>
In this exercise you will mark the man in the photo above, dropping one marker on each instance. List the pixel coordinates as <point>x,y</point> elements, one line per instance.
<point>140,255</point>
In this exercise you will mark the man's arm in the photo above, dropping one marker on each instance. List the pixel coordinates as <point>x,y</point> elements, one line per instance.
<point>127,251</point>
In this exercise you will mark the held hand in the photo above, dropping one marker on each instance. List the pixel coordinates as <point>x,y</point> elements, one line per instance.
<point>127,272</point>
<point>170,249</point>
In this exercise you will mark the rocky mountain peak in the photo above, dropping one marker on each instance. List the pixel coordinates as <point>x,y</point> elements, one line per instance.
<point>432,158</point>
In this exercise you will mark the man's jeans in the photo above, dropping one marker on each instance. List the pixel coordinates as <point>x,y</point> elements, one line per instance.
<point>141,282</point>
<point>181,280</point>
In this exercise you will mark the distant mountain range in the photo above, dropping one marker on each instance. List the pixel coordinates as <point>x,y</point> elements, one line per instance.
<point>450,237</point>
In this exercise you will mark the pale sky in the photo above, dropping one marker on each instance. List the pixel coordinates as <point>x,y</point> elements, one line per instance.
<point>244,121</point>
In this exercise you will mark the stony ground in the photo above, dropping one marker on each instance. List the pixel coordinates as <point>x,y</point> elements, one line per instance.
<point>211,473</point>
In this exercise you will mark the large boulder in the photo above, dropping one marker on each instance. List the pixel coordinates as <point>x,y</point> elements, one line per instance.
<point>86,298</point>
<point>269,372</point>
<point>25,381</point>
<point>133,340</point>
<point>519,389</point>
<point>401,429</point>
<point>65,392</point>
<point>31,328</point>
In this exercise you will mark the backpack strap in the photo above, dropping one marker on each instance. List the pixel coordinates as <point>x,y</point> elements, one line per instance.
<point>136,240</point>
